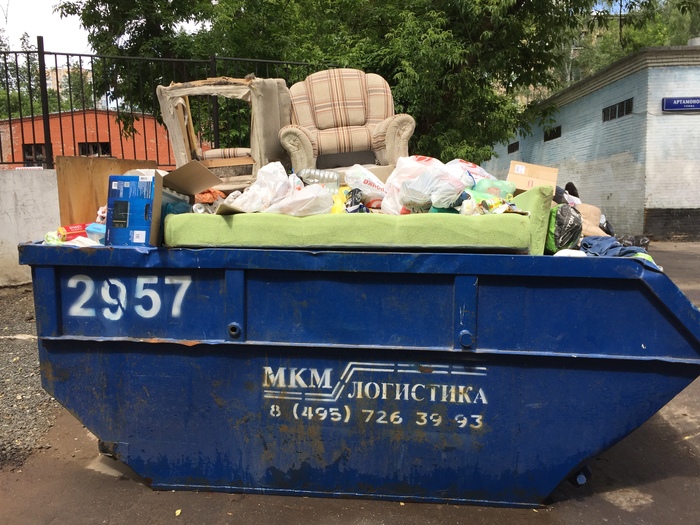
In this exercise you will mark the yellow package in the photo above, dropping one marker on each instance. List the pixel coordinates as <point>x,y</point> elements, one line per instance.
<point>339,200</point>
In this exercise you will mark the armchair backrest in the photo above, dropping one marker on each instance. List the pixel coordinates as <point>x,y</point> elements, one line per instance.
<point>342,106</point>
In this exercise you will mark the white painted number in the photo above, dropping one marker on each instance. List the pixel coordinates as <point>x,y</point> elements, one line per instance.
<point>113,292</point>
<point>184,282</point>
<point>394,418</point>
<point>78,307</point>
<point>462,421</point>
<point>119,301</point>
<point>141,291</point>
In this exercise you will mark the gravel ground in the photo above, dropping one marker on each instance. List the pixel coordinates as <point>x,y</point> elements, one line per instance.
<point>26,410</point>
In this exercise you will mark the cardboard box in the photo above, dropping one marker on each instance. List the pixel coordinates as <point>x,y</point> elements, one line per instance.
<point>134,201</point>
<point>133,209</point>
<point>591,220</point>
<point>96,232</point>
<point>70,232</point>
<point>527,176</point>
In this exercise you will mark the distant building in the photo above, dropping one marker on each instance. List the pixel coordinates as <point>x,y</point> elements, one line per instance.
<point>92,132</point>
<point>628,137</point>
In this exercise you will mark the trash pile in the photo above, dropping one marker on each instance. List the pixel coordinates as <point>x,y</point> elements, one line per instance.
<point>139,201</point>
<point>580,230</point>
<point>417,185</point>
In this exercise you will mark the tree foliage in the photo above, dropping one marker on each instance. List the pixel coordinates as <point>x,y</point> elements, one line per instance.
<point>670,23</point>
<point>20,83</point>
<point>459,67</point>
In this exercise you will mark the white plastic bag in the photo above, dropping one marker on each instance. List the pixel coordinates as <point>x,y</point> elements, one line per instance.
<point>390,203</point>
<point>424,182</point>
<point>407,169</point>
<point>414,194</point>
<point>271,186</point>
<point>310,200</point>
<point>373,189</point>
<point>446,191</point>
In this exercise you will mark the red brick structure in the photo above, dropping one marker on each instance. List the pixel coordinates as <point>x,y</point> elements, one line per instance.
<point>89,132</point>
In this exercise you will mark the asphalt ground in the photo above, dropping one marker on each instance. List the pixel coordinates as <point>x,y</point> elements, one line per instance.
<point>650,477</point>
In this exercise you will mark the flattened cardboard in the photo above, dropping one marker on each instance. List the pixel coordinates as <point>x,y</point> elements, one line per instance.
<point>527,176</point>
<point>190,179</point>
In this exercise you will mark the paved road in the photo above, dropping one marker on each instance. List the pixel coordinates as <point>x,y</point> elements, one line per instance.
<point>651,477</point>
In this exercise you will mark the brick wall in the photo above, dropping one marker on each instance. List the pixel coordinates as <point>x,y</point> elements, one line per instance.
<point>68,130</point>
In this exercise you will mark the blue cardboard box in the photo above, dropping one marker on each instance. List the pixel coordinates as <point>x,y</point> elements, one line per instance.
<point>134,201</point>
<point>133,209</point>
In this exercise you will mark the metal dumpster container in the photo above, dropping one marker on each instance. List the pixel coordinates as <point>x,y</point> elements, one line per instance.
<point>442,377</point>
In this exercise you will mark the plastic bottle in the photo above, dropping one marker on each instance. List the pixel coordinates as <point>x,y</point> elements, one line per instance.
<point>329,179</point>
<point>201,208</point>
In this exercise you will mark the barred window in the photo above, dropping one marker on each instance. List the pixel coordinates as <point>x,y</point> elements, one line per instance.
<point>618,110</point>
<point>94,149</point>
<point>513,147</point>
<point>33,154</point>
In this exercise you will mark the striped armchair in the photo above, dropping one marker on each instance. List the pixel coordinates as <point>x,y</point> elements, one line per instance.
<point>344,111</point>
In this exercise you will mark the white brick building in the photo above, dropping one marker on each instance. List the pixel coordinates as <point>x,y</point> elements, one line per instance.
<point>611,137</point>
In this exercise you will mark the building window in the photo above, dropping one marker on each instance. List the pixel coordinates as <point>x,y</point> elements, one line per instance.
<point>94,149</point>
<point>553,133</point>
<point>618,110</point>
<point>33,154</point>
<point>515,146</point>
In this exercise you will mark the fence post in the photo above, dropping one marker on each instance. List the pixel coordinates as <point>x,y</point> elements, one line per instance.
<point>215,103</point>
<point>48,147</point>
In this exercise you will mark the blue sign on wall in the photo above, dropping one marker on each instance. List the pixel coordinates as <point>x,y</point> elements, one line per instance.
<point>680,104</point>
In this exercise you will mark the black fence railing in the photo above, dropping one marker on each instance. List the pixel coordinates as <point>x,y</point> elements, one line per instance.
<point>55,104</point>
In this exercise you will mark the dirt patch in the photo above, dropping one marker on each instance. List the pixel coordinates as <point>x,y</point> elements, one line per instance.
<point>26,410</point>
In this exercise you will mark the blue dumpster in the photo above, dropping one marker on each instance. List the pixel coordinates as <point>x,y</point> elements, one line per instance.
<point>441,377</point>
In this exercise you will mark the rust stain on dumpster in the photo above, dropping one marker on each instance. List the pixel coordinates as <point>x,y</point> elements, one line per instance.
<point>184,342</point>
<point>52,375</point>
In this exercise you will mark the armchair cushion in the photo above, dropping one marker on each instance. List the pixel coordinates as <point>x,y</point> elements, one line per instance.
<point>222,153</point>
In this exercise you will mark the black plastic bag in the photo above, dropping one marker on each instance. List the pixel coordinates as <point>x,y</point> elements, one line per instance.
<point>565,228</point>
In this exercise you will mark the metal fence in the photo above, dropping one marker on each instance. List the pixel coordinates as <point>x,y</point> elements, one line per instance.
<point>95,105</point>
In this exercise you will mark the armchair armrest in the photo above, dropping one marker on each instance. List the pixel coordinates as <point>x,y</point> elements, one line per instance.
<point>301,146</point>
<point>390,138</point>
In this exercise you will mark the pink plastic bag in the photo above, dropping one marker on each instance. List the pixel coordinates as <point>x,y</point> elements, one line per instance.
<point>468,172</point>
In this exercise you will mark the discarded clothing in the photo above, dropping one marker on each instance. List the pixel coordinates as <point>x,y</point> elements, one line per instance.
<point>604,246</point>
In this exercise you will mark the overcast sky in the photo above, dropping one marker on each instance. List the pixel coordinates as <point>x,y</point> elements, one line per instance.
<point>36,17</point>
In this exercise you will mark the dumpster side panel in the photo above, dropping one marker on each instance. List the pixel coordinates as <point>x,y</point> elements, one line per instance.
<point>367,309</point>
<point>290,308</point>
<point>579,317</point>
<point>316,422</point>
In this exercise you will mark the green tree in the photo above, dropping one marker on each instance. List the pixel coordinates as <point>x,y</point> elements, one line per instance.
<point>20,84</point>
<point>458,66</point>
<point>20,87</point>
<point>672,23</point>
